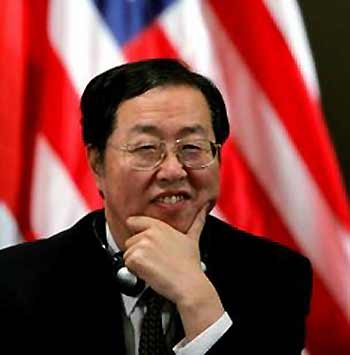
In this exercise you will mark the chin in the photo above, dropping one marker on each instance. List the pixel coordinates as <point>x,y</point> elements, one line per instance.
<point>181,226</point>
<point>179,223</point>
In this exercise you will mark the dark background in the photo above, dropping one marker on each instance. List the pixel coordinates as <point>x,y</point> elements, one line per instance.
<point>328,27</point>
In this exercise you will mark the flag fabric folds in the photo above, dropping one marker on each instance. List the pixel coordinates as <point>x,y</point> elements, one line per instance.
<point>280,177</point>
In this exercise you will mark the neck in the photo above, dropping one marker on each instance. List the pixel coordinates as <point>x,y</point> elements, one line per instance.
<point>119,232</point>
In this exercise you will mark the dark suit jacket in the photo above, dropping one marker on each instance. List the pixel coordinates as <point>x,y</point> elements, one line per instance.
<point>58,295</point>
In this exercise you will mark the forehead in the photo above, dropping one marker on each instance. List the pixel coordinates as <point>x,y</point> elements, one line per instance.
<point>165,111</point>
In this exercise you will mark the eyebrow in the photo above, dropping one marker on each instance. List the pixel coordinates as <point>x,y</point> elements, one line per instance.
<point>151,129</point>
<point>141,128</point>
<point>191,130</point>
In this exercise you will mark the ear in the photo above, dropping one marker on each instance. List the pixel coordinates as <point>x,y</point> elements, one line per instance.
<point>95,160</point>
<point>96,164</point>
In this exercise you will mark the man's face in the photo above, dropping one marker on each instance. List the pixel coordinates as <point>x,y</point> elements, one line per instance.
<point>168,114</point>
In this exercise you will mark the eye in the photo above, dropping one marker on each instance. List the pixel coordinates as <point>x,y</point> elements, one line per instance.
<point>191,147</point>
<point>146,147</point>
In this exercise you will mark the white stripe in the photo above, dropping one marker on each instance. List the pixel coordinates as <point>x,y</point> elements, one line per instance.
<point>217,213</point>
<point>266,146</point>
<point>288,18</point>
<point>82,40</point>
<point>186,27</point>
<point>56,202</point>
<point>10,233</point>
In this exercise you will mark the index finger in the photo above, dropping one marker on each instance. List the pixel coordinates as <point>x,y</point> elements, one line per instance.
<point>140,223</point>
<point>198,223</point>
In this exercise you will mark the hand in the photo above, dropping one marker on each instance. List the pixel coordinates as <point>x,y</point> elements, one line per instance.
<point>168,260</point>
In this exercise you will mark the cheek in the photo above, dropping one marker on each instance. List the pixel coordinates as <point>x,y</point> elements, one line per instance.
<point>214,186</point>
<point>117,185</point>
<point>208,183</point>
<point>126,189</point>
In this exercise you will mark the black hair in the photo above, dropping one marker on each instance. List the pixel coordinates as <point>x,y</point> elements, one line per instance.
<point>104,93</point>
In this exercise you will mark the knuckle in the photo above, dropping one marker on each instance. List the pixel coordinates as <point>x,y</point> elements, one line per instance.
<point>135,259</point>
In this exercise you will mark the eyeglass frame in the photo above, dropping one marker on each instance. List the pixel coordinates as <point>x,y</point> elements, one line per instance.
<point>127,148</point>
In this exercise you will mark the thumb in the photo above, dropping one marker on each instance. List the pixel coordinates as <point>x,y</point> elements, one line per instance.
<point>198,223</point>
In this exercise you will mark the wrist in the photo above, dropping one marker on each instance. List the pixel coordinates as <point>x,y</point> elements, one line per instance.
<point>199,307</point>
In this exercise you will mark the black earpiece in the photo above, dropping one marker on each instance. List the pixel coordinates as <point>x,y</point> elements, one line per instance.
<point>129,283</point>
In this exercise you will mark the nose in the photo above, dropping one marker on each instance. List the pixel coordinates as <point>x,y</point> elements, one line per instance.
<point>171,169</point>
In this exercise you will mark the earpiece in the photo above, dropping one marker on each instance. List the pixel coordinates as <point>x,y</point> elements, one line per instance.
<point>129,283</point>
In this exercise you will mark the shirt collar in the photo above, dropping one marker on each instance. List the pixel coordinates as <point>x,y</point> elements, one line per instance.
<point>129,301</point>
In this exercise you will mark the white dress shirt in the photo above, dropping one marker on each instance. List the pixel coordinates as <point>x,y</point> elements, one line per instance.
<point>134,313</point>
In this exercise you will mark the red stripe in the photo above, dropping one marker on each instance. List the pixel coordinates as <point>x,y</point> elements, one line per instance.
<point>60,122</point>
<point>265,52</point>
<point>13,49</point>
<point>245,204</point>
<point>55,105</point>
<point>17,126</point>
<point>151,43</point>
<point>328,329</point>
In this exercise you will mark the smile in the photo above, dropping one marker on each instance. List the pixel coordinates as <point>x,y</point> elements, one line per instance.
<point>170,200</point>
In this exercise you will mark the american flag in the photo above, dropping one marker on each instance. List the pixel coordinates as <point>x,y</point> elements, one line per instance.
<point>280,177</point>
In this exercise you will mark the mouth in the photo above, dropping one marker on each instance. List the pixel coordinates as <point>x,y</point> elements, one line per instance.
<point>171,198</point>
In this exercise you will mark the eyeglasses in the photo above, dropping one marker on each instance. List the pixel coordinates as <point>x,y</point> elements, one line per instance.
<point>191,153</point>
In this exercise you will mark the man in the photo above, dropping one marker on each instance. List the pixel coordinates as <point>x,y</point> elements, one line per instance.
<point>153,132</point>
